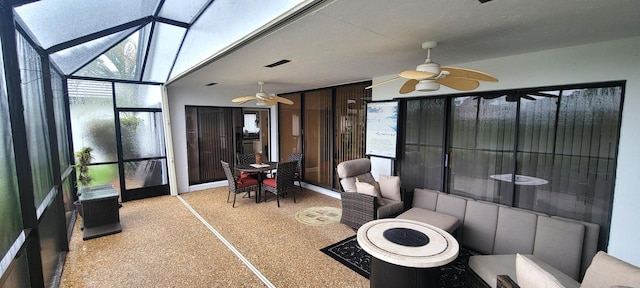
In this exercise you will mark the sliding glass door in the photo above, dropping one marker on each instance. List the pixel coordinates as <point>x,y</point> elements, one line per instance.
<point>547,150</point>
<point>213,134</point>
<point>318,134</point>
<point>327,126</point>
<point>423,159</point>
<point>481,147</point>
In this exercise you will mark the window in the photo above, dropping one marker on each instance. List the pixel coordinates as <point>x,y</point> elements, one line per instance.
<point>36,122</point>
<point>547,150</point>
<point>10,214</point>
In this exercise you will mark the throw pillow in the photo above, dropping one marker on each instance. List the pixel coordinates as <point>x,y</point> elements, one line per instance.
<point>606,271</point>
<point>390,187</point>
<point>368,189</point>
<point>530,275</point>
<point>367,178</point>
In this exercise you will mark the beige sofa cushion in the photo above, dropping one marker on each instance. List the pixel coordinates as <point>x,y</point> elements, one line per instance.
<point>488,267</point>
<point>607,271</point>
<point>425,198</point>
<point>443,221</point>
<point>530,275</point>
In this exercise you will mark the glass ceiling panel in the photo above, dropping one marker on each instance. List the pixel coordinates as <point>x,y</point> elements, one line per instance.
<point>164,49</point>
<point>71,59</point>
<point>223,23</point>
<point>180,10</point>
<point>123,61</point>
<point>74,18</point>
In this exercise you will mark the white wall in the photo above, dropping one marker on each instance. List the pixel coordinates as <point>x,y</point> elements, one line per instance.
<point>178,99</point>
<point>606,61</point>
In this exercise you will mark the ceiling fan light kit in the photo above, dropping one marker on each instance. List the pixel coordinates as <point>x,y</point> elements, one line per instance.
<point>429,75</point>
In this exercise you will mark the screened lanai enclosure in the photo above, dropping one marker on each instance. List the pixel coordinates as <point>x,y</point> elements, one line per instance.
<point>90,74</point>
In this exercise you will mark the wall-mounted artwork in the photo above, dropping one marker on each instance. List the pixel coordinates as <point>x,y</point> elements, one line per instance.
<point>382,129</point>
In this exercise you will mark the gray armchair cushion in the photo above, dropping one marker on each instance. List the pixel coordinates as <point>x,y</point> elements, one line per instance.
<point>354,168</point>
<point>349,170</point>
<point>389,208</point>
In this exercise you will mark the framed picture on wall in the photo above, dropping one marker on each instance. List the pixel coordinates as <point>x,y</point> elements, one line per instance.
<point>382,129</point>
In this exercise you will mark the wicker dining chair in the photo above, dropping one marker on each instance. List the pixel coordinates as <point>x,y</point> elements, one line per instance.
<point>298,175</point>
<point>283,182</point>
<point>238,184</point>
<point>247,159</point>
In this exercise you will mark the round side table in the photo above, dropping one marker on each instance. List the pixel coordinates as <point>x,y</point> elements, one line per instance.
<point>403,252</point>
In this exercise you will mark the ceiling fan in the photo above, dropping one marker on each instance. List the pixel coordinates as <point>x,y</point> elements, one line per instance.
<point>263,99</point>
<point>429,75</point>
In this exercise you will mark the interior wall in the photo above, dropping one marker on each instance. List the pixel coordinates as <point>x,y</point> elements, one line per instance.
<point>597,62</point>
<point>178,98</point>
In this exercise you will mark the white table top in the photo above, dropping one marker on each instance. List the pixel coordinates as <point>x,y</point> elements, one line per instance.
<point>441,249</point>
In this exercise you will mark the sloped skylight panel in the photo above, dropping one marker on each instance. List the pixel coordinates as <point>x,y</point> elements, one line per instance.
<point>71,59</point>
<point>164,49</point>
<point>123,61</point>
<point>180,10</point>
<point>77,18</point>
<point>225,22</point>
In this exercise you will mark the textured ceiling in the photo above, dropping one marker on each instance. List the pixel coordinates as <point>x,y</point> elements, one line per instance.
<point>351,40</point>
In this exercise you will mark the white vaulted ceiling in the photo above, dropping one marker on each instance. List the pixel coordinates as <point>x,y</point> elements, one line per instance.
<point>352,40</point>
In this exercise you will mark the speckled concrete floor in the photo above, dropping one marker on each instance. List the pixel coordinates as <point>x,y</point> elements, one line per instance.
<point>164,245</point>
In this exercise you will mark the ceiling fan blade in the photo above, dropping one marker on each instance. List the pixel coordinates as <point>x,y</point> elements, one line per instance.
<point>383,82</point>
<point>270,102</point>
<point>468,73</point>
<point>416,75</point>
<point>243,99</point>
<point>409,86</point>
<point>281,100</point>
<point>459,83</point>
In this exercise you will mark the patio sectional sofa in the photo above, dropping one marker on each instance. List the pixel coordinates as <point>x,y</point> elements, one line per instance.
<point>501,232</point>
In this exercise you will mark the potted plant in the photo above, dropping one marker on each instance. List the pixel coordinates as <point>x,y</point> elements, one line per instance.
<point>84,158</point>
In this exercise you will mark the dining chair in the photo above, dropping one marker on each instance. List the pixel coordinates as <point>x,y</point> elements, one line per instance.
<point>247,159</point>
<point>283,182</point>
<point>238,184</point>
<point>296,177</point>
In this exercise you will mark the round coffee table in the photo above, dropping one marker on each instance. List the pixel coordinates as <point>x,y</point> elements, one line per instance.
<point>404,251</point>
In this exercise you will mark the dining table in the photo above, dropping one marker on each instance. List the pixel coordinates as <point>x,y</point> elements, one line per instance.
<point>259,169</point>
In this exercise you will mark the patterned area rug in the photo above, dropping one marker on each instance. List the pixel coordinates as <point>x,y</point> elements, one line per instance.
<point>319,216</point>
<point>349,253</point>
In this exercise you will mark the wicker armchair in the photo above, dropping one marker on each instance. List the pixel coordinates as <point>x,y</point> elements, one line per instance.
<point>238,184</point>
<point>283,182</point>
<point>359,208</point>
